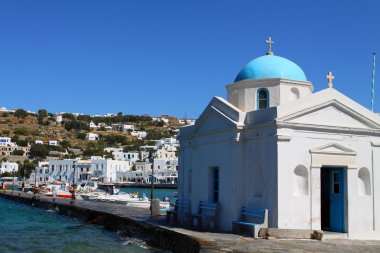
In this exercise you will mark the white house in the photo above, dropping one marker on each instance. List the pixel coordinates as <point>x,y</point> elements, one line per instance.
<point>128,127</point>
<point>53,143</point>
<point>139,134</point>
<point>63,170</point>
<point>6,141</point>
<point>186,121</point>
<point>113,149</point>
<point>131,157</point>
<point>58,118</point>
<point>110,170</point>
<point>92,136</point>
<point>92,125</point>
<point>38,142</point>
<point>163,153</point>
<point>8,167</point>
<point>311,159</point>
<point>165,164</point>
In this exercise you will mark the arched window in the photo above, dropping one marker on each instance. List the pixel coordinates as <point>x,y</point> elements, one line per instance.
<point>300,181</point>
<point>294,93</point>
<point>262,98</point>
<point>364,184</point>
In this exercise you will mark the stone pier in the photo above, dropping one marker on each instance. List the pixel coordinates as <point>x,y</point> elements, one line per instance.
<point>137,223</point>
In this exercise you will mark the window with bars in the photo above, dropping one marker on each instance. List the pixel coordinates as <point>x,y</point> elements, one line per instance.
<point>262,99</point>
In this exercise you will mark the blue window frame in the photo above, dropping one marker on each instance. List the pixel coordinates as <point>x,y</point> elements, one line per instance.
<point>262,99</point>
<point>215,184</point>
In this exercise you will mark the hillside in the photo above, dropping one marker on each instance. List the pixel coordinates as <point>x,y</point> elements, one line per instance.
<point>70,131</point>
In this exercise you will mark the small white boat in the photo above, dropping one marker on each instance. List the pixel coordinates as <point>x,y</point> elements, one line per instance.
<point>57,189</point>
<point>144,202</point>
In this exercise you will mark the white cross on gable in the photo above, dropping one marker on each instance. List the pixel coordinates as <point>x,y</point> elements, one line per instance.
<point>330,77</point>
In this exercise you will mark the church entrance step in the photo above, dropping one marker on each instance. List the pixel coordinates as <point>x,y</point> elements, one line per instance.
<point>327,235</point>
<point>287,233</point>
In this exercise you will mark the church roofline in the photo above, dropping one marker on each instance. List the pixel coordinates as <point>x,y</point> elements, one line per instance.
<point>324,97</point>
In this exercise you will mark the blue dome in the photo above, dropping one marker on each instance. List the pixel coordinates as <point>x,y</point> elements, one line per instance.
<point>271,66</point>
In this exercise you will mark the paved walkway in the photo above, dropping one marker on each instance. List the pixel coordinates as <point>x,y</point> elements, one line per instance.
<point>296,246</point>
<point>220,242</point>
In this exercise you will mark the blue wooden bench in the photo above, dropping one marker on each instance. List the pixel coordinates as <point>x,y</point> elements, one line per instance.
<point>207,213</point>
<point>252,220</point>
<point>182,207</point>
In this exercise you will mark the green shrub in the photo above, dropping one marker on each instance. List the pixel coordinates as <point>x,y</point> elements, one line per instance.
<point>21,131</point>
<point>18,152</point>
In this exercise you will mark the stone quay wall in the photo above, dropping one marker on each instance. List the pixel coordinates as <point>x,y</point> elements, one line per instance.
<point>127,221</point>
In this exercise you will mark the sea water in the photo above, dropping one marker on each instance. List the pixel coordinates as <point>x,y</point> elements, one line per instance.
<point>157,193</point>
<point>24,228</point>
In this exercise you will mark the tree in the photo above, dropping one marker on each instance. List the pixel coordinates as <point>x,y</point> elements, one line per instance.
<point>21,113</point>
<point>21,131</point>
<point>119,114</point>
<point>22,143</point>
<point>68,116</point>
<point>81,136</point>
<point>76,125</point>
<point>39,150</point>
<point>65,144</point>
<point>18,152</point>
<point>15,138</point>
<point>25,169</point>
<point>42,113</point>
<point>95,149</point>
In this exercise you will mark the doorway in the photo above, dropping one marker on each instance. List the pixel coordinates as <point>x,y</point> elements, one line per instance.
<point>333,199</point>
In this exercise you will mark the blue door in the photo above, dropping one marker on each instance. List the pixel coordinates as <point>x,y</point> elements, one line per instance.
<point>337,200</point>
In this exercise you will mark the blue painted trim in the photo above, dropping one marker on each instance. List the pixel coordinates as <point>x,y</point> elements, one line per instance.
<point>258,98</point>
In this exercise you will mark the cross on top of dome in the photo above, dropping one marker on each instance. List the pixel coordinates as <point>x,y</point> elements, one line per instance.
<point>269,41</point>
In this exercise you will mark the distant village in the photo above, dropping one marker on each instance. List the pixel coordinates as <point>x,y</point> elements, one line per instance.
<point>64,147</point>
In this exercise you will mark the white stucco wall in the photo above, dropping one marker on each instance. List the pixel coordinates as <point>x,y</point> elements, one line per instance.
<point>243,94</point>
<point>273,158</point>
<point>295,211</point>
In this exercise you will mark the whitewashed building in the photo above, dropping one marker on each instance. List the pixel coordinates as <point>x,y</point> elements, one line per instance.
<point>53,143</point>
<point>6,141</point>
<point>92,125</point>
<point>8,167</point>
<point>130,157</point>
<point>92,136</point>
<point>106,170</point>
<point>139,134</point>
<point>110,170</point>
<point>113,149</point>
<point>163,153</point>
<point>186,121</point>
<point>311,159</point>
<point>58,118</point>
<point>128,128</point>
<point>165,164</point>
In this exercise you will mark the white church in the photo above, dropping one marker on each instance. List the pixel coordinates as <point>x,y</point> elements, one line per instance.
<point>311,159</point>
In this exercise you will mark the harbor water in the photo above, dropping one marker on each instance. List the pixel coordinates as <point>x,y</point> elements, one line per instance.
<point>158,193</point>
<point>29,229</point>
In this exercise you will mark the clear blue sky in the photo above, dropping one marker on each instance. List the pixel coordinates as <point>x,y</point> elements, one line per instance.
<point>172,57</point>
